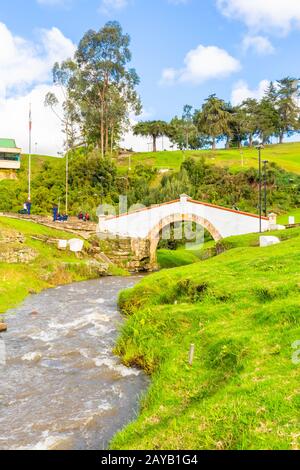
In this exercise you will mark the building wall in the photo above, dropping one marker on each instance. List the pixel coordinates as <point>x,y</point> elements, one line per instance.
<point>10,164</point>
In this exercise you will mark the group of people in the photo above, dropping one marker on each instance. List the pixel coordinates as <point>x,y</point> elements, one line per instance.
<point>57,217</point>
<point>85,217</point>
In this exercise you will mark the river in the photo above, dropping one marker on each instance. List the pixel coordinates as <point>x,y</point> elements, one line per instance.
<point>61,387</point>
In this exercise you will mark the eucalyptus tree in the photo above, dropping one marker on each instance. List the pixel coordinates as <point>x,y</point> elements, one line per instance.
<point>153,129</point>
<point>214,119</point>
<point>288,94</point>
<point>99,75</point>
<point>249,111</point>
<point>267,120</point>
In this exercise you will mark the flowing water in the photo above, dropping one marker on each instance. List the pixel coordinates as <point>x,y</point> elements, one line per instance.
<point>61,386</point>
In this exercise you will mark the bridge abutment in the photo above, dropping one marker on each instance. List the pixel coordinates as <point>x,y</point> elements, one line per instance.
<point>132,254</point>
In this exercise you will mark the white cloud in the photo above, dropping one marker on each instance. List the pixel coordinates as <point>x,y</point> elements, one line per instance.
<point>46,128</point>
<point>108,6</point>
<point>24,63</point>
<point>25,74</point>
<point>201,64</point>
<point>259,44</point>
<point>263,15</point>
<point>241,91</point>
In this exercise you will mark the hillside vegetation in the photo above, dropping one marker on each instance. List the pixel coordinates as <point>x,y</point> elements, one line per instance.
<point>241,310</point>
<point>93,180</point>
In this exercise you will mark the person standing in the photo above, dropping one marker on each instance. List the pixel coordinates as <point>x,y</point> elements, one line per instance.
<point>55,212</point>
<point>28,206</point>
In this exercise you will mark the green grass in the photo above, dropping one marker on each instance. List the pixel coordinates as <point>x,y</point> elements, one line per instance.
<point>175,258</point>
<point>51,267</point>
<point>286,156</point>
<point>241,310</point>
<point>284,219</point>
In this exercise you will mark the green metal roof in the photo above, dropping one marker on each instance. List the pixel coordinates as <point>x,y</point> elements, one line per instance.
<point>8,143</point>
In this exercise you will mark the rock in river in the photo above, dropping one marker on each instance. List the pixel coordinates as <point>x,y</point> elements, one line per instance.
<point>3,327</point>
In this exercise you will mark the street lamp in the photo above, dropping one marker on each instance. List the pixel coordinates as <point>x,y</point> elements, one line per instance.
<point>265,162</point>
<point>259,148</point>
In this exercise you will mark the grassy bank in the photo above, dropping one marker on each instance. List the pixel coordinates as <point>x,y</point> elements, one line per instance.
<point>175,258</point>
<point>241,310</point>
<point>50,267</point>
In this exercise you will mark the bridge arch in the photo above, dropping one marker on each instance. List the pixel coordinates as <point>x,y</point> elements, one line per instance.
<point>154,234</point>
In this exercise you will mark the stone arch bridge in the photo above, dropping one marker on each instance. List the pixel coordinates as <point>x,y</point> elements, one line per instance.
<point>131,239</point>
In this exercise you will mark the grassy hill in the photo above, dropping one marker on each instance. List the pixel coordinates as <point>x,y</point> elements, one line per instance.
<point>286,156</point>
<point>241,310</point>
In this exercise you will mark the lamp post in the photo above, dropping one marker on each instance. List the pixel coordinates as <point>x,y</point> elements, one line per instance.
<point>259,148</point>
<point>265,162</point>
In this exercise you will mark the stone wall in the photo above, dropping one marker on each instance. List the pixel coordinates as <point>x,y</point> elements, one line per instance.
<point>133,254</point>
<point>13,249</point>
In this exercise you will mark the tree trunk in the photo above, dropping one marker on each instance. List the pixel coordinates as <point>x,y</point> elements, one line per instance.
<point>102,129</point>
<point>227,143</point>
<point>250,140</point>
<point>106,139</point>
<point>214,144</point>
<point>281,137</point>
<point>112,140</point>
<point>154,144</point>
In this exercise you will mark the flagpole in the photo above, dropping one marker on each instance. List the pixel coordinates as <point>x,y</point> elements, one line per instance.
<point>29,156</point>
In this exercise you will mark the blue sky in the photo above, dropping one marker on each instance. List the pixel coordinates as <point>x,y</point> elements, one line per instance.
<point>183,50</point>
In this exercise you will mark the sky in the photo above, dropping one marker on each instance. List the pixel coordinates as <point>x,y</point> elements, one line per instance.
<point>183,51</point>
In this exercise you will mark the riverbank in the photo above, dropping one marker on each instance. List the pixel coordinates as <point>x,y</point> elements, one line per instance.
<point>31,262</point>
<point>241,311</point>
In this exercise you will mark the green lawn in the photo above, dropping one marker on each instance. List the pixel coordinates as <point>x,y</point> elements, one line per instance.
<point>174,258</point>
<point>286,155</point>
<point>241,310</point>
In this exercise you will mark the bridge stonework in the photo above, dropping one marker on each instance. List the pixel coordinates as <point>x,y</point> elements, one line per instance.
<point>130,240</point>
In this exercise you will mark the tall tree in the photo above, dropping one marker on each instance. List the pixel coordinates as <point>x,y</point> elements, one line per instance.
<point>214,119</point>
<point>267,120</point>
<point>152,129</point>
<point>288,93</point>
<point>98,74</point>
<point>249,108</point>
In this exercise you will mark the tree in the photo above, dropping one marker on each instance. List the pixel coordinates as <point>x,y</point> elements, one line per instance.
<point>267,120</point>
<point>100,82</point>
<point>214,119</point>
<point>249,109</point>
<point>288,92</point>
<point>188,125</point>
<point>152,129</point>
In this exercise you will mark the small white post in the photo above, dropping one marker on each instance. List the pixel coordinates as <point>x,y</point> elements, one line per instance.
<point>191,354</point>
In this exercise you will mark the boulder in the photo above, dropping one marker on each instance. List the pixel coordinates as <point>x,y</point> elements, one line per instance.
<point>76,245</point>
<point>3,327</point>
<point>62,244</point>
<point>268,241</point>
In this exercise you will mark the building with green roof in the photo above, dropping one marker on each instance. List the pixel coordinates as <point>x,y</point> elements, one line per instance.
<point>10,155</point>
